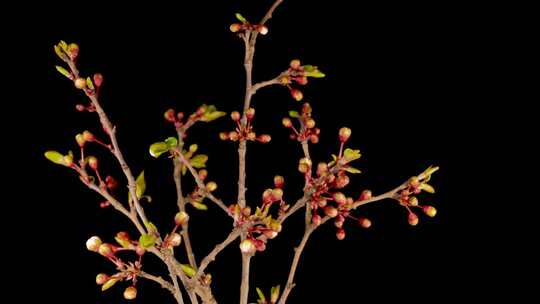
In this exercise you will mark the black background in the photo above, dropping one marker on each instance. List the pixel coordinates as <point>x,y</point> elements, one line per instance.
<point>407,78</point>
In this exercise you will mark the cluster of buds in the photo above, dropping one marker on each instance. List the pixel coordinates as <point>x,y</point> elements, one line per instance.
<point>307,131</point>
<point>204,113</point>
<point>298,74</point>
<point>244,131</point>
<point>244,26</point>
<point>197,196</point>
<point>415,186</point>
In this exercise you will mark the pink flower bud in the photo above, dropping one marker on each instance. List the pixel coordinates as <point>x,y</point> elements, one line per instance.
<point>250,113</point>
<point>175,239</point>
<point>322,169</point>
<point>340,198</point>
<point>98,79</point>
<point>297,94</point>
<point>267,196</point>
<point>233,135</point>
<point>286,121</point>
<point>130,293</point>
<point>279,181</point>
<point>413,219</point>
<point>364,222</point>
<point>342,181</point>
<point>429,211</point>
<point>260,245</point>
<point>330,211</point>
<point>87,136</point>
<point>295,64</point>
<point>111,182</point>
<point>265,138</point>
<point>80,83</point>
<point>316,219</point>
<point>102,278</point>
<point>203,174</point>
<point>339,223</point>
<point>80,107</point>
<point>73,50</point>
<point>246,211</point>
<point>93,162</point>
<point>366,194</point>
<point>170,115</point>
<point>181,218</point>
<point>262,29</point>
<point>340,234</point>
<point>105,250</point>
<point>314,138</point>
<point>247,246</point>
<point>93,243</point>
<point>344,134</point>
<point>302,80</point>
<point>235,116</point>
<point>322,202</point>
<point>235,27</point>
<point>306,108</point>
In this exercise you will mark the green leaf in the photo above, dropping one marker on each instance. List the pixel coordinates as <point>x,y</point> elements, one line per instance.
<point>294,114</point>
<point>156,149</point>
<point>210,116</point>
<point>122,242</point>
<point>89,83</point>
<point>352,170</point>
<point>150,226</point>
<point>350,155</point>
<point>199,161</point>
<point>110,283</point>
<point>274,293</point>
<point>240,18</point>
<point>199,206</point>
<point>261,294</point>
<point>63,71</point>
<point>63,45</point>
<point>147,240</point>
<point>140,185</point>
<point>55,157</point>
<point>184,170</point>
<point>315,74</point>
<point>210,109</point>
<point>60,53</point>
<point>309,68</point>
<point>188,270</point>
<point>427,187</point>
<point>172,142</point>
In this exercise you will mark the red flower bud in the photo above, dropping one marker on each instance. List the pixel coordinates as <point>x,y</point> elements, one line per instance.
<point>88,136</point>
<point>297,94</point>
<point>413,219</point>
<point>80,83</point>
<point>130,293</point>
<point>295,64</point>
<point>102,278</point>
<point>339,221</point>
<point>314,138</point>
<point>262,29</point>
<point>250,113</point>
<point>111,182</point>
<point>344,134</point>
<point>203,174</point>
<point>224,136</point>
<point>235,116</point>
<point>316,219</point>
<point>342,181</point>
<point>279,181</point>
<point>330,211</point>
<point>340,198</point>
<point>247,246</point>
<point>286,121</point>
<point>98,79</point>
<point>364,222</point>
<point>302,80</point>
<point>235,27</point>
<point>73,50</point>
<point>170,115</point>
<point>366,194</point>
<point>181,218</point>
<point>260,245</point>
<point>93,162</point>
<point>429,211</point>
<point>340,234</point>
<point>265,138</point>
<point>306,108</point>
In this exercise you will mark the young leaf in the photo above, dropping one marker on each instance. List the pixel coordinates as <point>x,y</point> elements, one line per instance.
<point>188,270</point>
<point>199,161</point>
<point>352,170</point>
<point>63,71</point>
<point>55,157</point>
<point>294,114</point>
<point>110,283</point>
<point>309,68</point>
<point>261,294</point>
<point>240,18</point>
<point>59,53</point>
<point>151,227</point>
<point>349,155</point>
<point>156,149</point>
<point>124,243</point>
<point>89,83</point>
<point>427,187</point>
<point>274,294</point>
<point>172,142</point>
<point>63,45</point>
<point>199,206</point>
<point>209,116</point>
<point>147,240</point>
<point>140,184</point>
<point>315,74</point>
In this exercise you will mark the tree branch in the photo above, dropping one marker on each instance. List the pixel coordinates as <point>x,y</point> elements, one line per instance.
<point>235,233</point>
<point>162,282</point>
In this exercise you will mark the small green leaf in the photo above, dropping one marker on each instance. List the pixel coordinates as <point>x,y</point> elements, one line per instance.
<point>199,206</point>
<point>210,109</point>
<point>210,116</point>
<point>274,293</point>
<point>294,114</point>
<point>188,270</point>
<point>172,142</point>
<point>147,240</point>
<point>124,243</point>
<point>184,170</point>
<point>140,185</point>
<point>309,68</point>
<point>55,157</point>
<point>156,149</point>
<point>430,170</point>
<point>151,227</point>
<point>315,74</point>
<point>240,18</point>
<point>89,83</point>
<point>261,294</point>
<point>63,45</point>
<point>349,155</point>
<point>110,283</point>
<point>427,187</point>
<point>199,161</point>
<point>63,71</point>
<point>60,53</point>
<point>352,170</point>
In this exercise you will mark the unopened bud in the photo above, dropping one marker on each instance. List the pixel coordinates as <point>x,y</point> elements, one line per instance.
<point>330,211</point>
<point>322,169</point>
<point>68,160</point>
<point>297,94</point>
<point>366,194</point>
<point>111,182</point>
<point>429,211</point>
<point>93,243</point>
<point>235,27</point>
<point>235,116</point>
<point>265,138</point>
<point>250,113</point>
<point>314,138</point>
<point>211,187</point>
<point>175,239</point>
<point>364,222</point>
<point>286,121</point>
<point>316,220</point>
<point>310,123</point>
<point>304,165</point>
<point>105,250</point>
<point>340,198</point>
<point>342,181</point>
<point>80,140</point>
<point>260,245</point>
<point>233,135</point>
<point>88,136</point>
<point>279,181</point>
<point>247,246</point>
<point>203,174</point>
<point>251,136</point>
<point>277,194</point>
<point>98,79</point>
<point>413,201</point>
<point>302,80</point>
<point>181,218</point>
<point>295,64</point>
<point>322,202</point>
<point>267,196</point>
<point>73,50</point>
<point>224,136</point>
<point>130,293</point>
<point>93,162</point>
<point>102,278</point>
<point>340,234</point>
<point>270,233</point>
<point>414,181</point>
<point>80,83</point>
<point>170,115</point>
<point>344,134</point>
<point>262,29</point>
<point>413,219</point>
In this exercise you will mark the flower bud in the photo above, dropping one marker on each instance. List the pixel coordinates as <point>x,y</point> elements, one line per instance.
<point>73,50</point>
<point>267,196</point>
<point>340,234</point>
<point>105,250</point>
<point>277,194</point>
<point>93,162</point>
<point>203,174</point>
<point>342,181</point>
<point>364,222</point>
<point>170,115</point>
<point>340,198</point>
<point>80,140</point>
<point>297,94</point>
<point>211,187</point>
<point>246,211</point>
<point>322,202</point>
<point>316,219</point>
<point>414,181</point>
<point>306,108</point>
<point>175,239</point>
<point>181,218</point>
<point>224,136</point>
<point>260,245</point>
<point>330,211</point>
<point>285,79</point>
<point>87,136</point>
<point>122,235</point>
<point>250,113</point>
<point>80,83</point>
<point>429,211</point>
<point>322,169</point>
<point>68,160</point>
<point>304,165</point>
<point>93,243</point>
<point>413,219</point>
<point>314,138</point>
<point>130,293</point>
<point>302,80</point>
<point>279,181</point>
<point>233,135</point>
<point>262,29</point>
<point>366,194</point>
<point>413,201</point>
<point>251,136</point>
<point>247,246</point>
<point>286,121</point>
<point>295,64</point>
<point>111,182</point>
<point>339,223</point>
<point>235,27</point>
<point>98,79</point>
<point>235,116</point>
<point>80,107</point>
<point>265,138</point>
<point>140,250</point>
<point>102,278</point>
<point>344,134</point>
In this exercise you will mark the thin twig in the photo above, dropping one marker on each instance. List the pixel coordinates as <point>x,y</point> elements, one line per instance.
<point>235,233</point>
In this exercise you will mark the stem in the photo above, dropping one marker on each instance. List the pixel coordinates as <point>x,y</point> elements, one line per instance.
<point>212,255</point>
<point>244,287</point>
<point>163,283</point>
